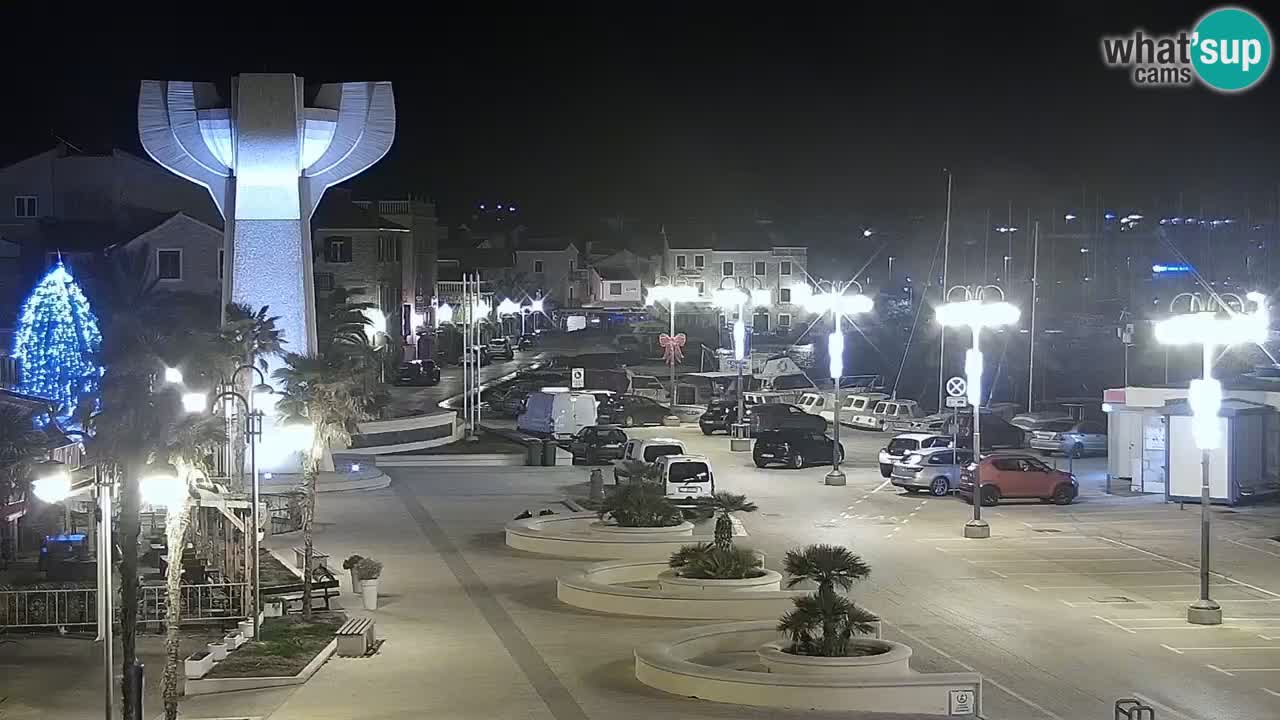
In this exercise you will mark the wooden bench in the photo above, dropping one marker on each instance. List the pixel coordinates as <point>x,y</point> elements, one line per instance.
<point>318,558</point>
<point>324,586</point>
<point>355,637</point>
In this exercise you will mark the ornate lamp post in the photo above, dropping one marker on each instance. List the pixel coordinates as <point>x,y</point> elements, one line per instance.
<point>740,297</point>
<point>1210,322</point>
<point>834,300</point>
<point>671,293</point>
<point>975,312</point>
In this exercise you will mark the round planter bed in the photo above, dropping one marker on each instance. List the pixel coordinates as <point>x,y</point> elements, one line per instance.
<point>769,581</point>
<point>573,536</point>
<point>609,587</point>
<point>878,658</point>
<point>684,529</point>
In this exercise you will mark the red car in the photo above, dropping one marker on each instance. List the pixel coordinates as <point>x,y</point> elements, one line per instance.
<point>1010,475</point>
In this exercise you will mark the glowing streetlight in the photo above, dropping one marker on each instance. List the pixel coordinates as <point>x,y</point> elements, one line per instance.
<point>173,375</point>
<point>835,301</point>
<point>976,313</point>
<point>444,314</point>
<point>52,483</point>
<point>194,402</point>
<point>666,291</point>
<point>740,298</point>
<point>1213,322</point>
<point>160,486</point>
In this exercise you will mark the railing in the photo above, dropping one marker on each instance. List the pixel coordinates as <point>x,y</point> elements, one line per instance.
<point>285,511</point>
<point>454,288</point>
<point>73,607</point>
<point>216,601</point>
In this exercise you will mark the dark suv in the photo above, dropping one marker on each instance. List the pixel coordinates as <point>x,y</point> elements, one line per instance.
<point>780,416</point>
<point>595,443</point>
<point>719,416</point>
<point>793,448</point>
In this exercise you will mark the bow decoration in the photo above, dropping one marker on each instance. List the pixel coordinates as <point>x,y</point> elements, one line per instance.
<point>672,346</point>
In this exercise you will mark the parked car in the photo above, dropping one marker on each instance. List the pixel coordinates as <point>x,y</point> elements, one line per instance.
<point>1071,437</point>
<point>936,469</point>
<point>511,403</point>
<point>793,448</point>
<point>782,417</point>
<point>686,477</point>
<point>854,404</point>
<point>887,411</point>
<point>649,386</point>
<point>598,442</point>
<point>500,348</point>
<point>905,444</point>
<point>934,424</point>
<point>1018,475</point>
<point>633,410</point>
<point>528,341</point>
<point>557,414</point>
<point>720,415</point>
<point>1033,421</point>
<point>997,433</point>
<point>418,372</point>
<point>646,451</point>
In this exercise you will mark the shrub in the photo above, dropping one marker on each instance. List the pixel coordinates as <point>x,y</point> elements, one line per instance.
<point>708,561</point>
<point>351,561</point>
<point>823,622</point>
<point>639,505</point>
<point>368,569</point>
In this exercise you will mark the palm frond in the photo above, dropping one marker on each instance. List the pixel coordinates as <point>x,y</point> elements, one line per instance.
<point>829,566</point>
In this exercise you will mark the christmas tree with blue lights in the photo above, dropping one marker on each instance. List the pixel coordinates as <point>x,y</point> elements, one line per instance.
<point>57,341</point>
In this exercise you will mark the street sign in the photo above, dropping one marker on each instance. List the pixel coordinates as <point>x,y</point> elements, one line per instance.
<point>956,387</point>
<point>956,402</point>
<point>578,378</point>
<point>961,702</point>
<point>744,363</point>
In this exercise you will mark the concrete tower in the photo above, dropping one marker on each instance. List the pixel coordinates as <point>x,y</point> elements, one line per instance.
<point>267,159</point>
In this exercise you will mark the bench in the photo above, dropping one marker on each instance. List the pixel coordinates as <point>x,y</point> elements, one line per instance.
<point>355,637</point>
<point>324,586</point>
<point>318,558</point>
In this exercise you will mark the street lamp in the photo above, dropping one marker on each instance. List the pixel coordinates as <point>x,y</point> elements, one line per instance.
<point>1211,323</point>
<point>976,313</point>
<point>740,298</point>
<point>666,291</point>
<point>835,300</point>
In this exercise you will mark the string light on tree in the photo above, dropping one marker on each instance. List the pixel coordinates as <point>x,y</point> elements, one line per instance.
<point>56,342</point>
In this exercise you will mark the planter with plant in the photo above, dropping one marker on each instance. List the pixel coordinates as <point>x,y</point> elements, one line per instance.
<point>719,565</point>
<point>369,570</point>
<point>350,566</point>
<point>198,664</point>
<point>821,630</point>
<point>218,649</point>
<point>234,640</point>
<point>638,510</point>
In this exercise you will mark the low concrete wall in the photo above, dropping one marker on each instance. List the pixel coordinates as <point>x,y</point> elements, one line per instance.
<point>208,686</point>
<point>601,587</point>
<point>570,536</point>
<point>669,665</point>
<point>417,432</point>
<point>476,460</point>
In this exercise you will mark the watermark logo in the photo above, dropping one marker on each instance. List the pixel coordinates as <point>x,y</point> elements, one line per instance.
<point>1228,50</point>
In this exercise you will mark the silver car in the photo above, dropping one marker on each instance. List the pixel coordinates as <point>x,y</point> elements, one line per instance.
<point>935,469</point>
<point>1071,437</point>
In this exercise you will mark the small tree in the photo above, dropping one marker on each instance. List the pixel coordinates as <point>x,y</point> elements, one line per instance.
<point>823,622</point>
<point>722,505</point>
<point>639,505</point>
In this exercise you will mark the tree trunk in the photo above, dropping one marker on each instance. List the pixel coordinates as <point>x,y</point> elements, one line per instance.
<point>311,470</point>
<point>724,531</point>
<point>129,529</point>
<point>175,528</point>
<point>828,624</point>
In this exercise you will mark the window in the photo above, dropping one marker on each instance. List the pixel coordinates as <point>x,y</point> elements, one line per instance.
<point>784,295</point>
<point>222,255</point>
<point>25,206</point>
<point>169,264</point>
<point>702,288</point>
<point>784,320</point>
<point>726,268</point>
<point>571,265</point>
<point>784,268</point>
<point>1007,464</point>
<point>324,282</point>
<point>699,261</point>
<point>389,249</point>
<point>653,452</point>
<point>942,458</point>
<point>337,249</point>
<point>537,266</point>
<point>615,288</point>
<point>759,268</point>
<point>680,261</point>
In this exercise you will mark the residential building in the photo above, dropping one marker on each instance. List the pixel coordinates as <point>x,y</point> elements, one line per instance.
<point>554,265</point>
<point>618,286</point>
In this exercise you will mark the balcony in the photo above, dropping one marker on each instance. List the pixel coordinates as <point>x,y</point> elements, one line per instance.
<point>451,291</point>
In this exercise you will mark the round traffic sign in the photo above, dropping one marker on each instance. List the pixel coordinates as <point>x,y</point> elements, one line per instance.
<point>956,386</point>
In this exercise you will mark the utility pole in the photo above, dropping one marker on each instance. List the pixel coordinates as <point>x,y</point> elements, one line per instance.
<point>946,252</point>
<point>1035,291</point>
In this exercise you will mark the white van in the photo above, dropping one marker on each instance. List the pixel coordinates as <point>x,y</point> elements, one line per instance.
<point>645,451</point>
<point>686,477</point>
<point>557,413</point>
<point>854,404</point>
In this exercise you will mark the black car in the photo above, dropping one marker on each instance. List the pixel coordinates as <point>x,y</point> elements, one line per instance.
<point>997,433</point>
<point>780,416</point>
<point>793,448</point>
<point>527,341</point>
<point>418,372</point>
<point>630,410</point>
<point>720,416</point>
<point>500,347</point>
<point>596,443</point>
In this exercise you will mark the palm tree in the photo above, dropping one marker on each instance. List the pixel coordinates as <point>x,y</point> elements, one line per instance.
<point>20,445</point>
<point>835,616</point>
<point>723,505</point>
<point>320,391</point>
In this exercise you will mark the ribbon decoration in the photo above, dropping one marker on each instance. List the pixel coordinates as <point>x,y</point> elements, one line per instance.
<point>672,346</point>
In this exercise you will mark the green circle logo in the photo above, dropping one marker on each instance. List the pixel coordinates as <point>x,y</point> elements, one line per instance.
<point>1231,49</point>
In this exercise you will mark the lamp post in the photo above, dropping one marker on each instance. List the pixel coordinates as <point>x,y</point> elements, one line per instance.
<point>740,298</point>
<point>1210,322</point>
<point>976,313</point>
<point>839,304</point>
<point>671,293</point>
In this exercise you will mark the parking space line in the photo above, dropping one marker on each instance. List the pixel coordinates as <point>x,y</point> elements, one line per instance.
<point>1115,624</point>
<point>1215,667</point>
<point>1120,587</point>
<point>1031,587</point>
<point>1085,603</point>
<point>1046,560</point>
<point>1171,649</point>
<point>1192,567</point>
<point>997,572</point>
<point>1232,648</point>
<point>1232,671</point>
<point>1107,572</point>
<point>1246,545</point>
<point>880,486</point>
<point>1269,691</point>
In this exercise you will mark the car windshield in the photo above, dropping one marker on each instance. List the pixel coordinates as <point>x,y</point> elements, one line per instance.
<point>902,446</point>
<point>689,471</point>
<point>1058,426</point>
<point>653,452</point>
<point>613,436</point>
<point>644,383</point>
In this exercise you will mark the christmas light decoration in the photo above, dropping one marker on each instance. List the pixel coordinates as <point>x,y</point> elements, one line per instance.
<point>56,342</point>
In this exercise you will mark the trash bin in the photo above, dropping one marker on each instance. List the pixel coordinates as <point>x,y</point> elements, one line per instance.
<point>533,452</point>
<point>549,449</point>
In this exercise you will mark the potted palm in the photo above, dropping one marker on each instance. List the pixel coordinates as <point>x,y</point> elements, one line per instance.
<point>719,565</point>
<point>369,570</point>
<point>820,631</point>
<point>640,509</point>
<point>350,566</point>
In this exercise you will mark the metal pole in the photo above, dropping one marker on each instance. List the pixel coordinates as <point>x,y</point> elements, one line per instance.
<point>977,528</point>
<point>466,387</point>
<point>256,590</point>
<point>106,549</point>
<point>836,477</point>
<point>946,251</point>
<point>1205,611</point>
<point>1126,364</point>
<point>672,398</point>
<point>1035,291</point>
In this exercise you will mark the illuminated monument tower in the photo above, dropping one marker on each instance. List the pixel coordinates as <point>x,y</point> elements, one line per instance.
<point>267,159</point>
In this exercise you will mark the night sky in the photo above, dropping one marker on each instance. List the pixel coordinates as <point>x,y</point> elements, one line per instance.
<point>667,114</point>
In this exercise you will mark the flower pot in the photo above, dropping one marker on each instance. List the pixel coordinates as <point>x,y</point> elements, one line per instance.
<point>198,668</point>
<point>355,581</point>
<point>218,650</point>
<point>234,641</point>
<point>369,594</point>
<point>273,608</point>
<point>245,627</point>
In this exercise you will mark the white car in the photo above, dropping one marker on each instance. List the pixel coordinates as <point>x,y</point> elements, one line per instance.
<point>905,444</point>
<point>686,477</point>
<point>646,451</point>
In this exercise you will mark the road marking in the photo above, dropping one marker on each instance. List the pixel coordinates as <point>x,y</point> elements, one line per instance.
<point>880,486</point>
<point>1192,567</point>
<point>1232,671</point>
<point>1224,647</point>
<point>1061,560</point>
<point>1171,649</point>
<point>997,572</point>
<point>1269,691</point>
<point>1246,545</point>
<point>1122,587</point>
<point>1084,603</point>
<point>1115,624</point>
<point>1107,572</point>
<point>1029,587</point>
<point>1215,667</point>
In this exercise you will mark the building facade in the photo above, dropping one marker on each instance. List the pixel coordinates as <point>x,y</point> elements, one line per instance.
<point>780,269</point>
